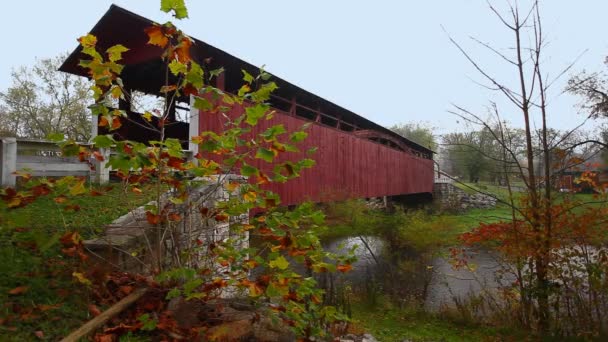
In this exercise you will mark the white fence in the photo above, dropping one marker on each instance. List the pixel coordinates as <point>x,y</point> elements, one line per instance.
<point>41,158</point>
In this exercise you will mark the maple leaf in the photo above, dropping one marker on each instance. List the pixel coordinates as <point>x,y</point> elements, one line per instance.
<point>183,50</point>
<point>156,36</point>
<point>115,52</point>
<point>88,41</point>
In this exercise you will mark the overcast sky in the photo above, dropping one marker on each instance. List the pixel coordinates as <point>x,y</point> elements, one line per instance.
<point>389,61</point>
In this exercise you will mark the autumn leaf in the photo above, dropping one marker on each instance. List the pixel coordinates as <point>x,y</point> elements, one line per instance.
<point>103,121</point>
<point>344,268</point>
<point>115,52</point>
<point>152,218</point>
<point>88,41</point>
<point>116,123</point>
<point>94,310</point>
<point>81,278</point>
<point>250,196</point>
<point>175,217</point>
<point>98,156</point>
<point>77,189</point>
<point>18,290</point>
<point>280,263</point>
<point>156,36</point>
<point>39,334</point>
<point>60,199</point>
<point>183,50</point>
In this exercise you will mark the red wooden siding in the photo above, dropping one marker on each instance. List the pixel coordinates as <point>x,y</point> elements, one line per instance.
<point>346,166</point>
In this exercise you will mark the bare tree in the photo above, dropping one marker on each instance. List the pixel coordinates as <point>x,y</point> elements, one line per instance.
<point>533,219</point>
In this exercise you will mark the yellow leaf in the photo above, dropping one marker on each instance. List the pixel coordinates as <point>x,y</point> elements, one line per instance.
<point>147,115</point>
<point>232,186</point>
<point>78,189</point>
<point>250,196</point>
<point>88,41</point>
<point>81,278</point>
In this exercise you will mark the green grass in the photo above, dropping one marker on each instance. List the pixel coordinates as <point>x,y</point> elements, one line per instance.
<point>31,257</point>
<point>388,323</point>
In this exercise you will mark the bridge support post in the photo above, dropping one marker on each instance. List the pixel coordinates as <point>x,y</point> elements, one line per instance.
<point>8,159</point>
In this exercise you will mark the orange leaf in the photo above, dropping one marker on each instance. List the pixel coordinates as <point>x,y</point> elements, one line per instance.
<point>18,290</point>
<point>103,121</point>
<point>136,190</point>
<point>98,156</point>
<point>183,50</point>
<point>39,334</point>
<point>126,289</point>
<point>344,268</point>
<point>152,218</point>
<point>175,217</point>
<point>60,199</point>
<point>156,36</point>
<point>116,122</point>
<point>96,193</point>
<point>221,217</point>
<point>94,310</point>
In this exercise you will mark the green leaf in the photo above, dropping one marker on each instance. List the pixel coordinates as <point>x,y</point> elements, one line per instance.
<point>177,6</point>
<point>273,131</point>
<point>263,94</point>
<point>174,293</point>
<point>265,154</point>
<point>255,113</point>
<point>247,77</point>
<point>115,52</point>
<point>306,163</point>
<point>298,136</point>
<point>248,170</point>
<point>203,104</point>
<point>103,141</point>
<point>216,72</point>
<point>195,75</point>
<point>177,68</point>
<point>280,263</point>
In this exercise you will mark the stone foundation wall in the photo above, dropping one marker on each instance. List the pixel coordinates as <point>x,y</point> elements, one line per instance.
<point>130,243</point>
<point>450,197</point>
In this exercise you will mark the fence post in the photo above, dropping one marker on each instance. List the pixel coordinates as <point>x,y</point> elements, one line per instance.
<point>102,173</point>
<point>8,157</point>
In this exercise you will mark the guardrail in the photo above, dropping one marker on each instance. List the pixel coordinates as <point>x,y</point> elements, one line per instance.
<point>42,158</point>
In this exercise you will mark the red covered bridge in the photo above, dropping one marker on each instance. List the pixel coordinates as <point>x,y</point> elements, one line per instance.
<point>356,158</point>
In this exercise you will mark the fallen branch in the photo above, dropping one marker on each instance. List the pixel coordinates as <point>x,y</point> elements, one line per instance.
<point>100,320</point>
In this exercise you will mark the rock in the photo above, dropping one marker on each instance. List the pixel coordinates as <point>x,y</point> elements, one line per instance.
<point>231,331</point>
<point>368,338</point>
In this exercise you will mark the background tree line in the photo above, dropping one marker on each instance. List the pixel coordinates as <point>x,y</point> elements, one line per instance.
<point>41,101</point>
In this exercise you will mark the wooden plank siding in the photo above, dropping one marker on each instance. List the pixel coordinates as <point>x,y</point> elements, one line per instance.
<point>346,166</point>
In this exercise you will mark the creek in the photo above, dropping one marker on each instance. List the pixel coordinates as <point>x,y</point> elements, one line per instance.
<point>407,275</point>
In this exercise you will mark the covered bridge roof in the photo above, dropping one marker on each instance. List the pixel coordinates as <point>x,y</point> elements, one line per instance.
<point>144,70</point>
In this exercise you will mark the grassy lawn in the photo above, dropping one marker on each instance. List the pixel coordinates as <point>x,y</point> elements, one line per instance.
<point>37,289</point>
<point>389,323</point>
